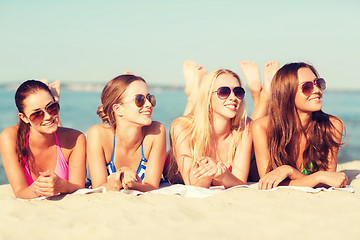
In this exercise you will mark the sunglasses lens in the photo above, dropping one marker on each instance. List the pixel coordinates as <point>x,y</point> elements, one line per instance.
<point>140,100</point>
<point>239,92</point>
<point>152,100</point>
<point>223,92</point>
<point>37,117</point>
<point>53,109</point>
<point>320,82</point>
<point>307,88</point>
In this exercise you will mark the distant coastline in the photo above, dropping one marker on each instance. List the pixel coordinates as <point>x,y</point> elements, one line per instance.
<point>95,87</point>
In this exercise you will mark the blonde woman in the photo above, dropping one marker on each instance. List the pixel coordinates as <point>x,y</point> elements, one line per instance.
<point>128,149</point>
<point>212,146</point>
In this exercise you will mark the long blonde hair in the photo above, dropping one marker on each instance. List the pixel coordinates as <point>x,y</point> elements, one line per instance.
<point>200,123</point>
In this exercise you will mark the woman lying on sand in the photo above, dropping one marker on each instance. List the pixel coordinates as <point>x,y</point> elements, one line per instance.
<point>297,144</point>
<point>128,149</point>
<point>40,158</point>
<point>212,143</point>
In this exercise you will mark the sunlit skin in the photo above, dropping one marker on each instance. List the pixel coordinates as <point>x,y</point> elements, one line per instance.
<point>305,104</point>
<point>133,126</point>
<point>43,148</point>
<point>213,169</point>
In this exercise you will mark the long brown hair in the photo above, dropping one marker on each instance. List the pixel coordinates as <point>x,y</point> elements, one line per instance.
<point>285,126</point>
<point>112,94</point>
<point>24,90</point>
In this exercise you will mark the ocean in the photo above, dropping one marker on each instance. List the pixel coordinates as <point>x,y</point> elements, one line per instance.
<point>78,111</point>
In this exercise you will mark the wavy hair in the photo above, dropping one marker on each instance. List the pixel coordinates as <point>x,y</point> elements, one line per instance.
<point>285,126</point>
<point>200,124</point>
<point>112,94</point>
<point>24,90</point>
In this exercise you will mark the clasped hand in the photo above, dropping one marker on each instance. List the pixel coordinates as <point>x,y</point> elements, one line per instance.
<point>123,178</point>
<point>211,168</point>
<point>48,184</point>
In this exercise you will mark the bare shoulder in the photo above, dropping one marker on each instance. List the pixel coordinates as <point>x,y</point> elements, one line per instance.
<point>261,123</point>
<point>155,128</point>
<point>180,124</point>
<point>68,137</point>
<point>9,133</point>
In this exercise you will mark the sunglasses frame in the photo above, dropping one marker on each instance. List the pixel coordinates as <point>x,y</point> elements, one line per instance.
<point>231,90</point>
<point>38,116</point>
<point>141,102</point>
<point>321,86</point>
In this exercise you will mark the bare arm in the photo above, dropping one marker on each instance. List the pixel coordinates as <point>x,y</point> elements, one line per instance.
<point>97,162</point>
<point>155,159</point>
<point>13,168</point>
<point>180,137</point>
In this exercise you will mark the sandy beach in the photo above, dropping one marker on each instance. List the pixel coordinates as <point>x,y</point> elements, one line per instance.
<point>241,213</point>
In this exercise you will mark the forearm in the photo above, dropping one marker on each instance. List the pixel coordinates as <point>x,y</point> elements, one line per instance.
<point>69,187</point>
<point>27,193</point>
<point>229,180</point>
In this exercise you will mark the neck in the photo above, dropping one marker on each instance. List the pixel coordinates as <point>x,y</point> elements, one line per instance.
<point>304,119</point>
<point>41,140</point>
<point>221,127</point>
<point>128,135</point>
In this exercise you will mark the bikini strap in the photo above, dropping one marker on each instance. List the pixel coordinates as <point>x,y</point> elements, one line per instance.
<point>113,151</point>
<point>142,149</point>
<point>56,139</point>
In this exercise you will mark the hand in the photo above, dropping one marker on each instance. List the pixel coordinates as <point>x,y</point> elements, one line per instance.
<point>210,168</point>
<point>275,177</point>
<point>129,178</point>
<point>333,179</point>
<point>48,184</point>
<point>113,180</point>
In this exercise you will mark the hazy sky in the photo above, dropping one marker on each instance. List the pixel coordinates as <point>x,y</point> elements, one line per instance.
<point>96,40</point>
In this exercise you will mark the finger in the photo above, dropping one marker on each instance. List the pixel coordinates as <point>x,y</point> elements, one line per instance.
<point>203,172</point>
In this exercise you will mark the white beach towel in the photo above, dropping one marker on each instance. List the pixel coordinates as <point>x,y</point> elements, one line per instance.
<point>199,192</point>
<point>79,191</point>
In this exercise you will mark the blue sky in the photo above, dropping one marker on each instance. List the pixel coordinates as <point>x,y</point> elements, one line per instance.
<point>94,41</point>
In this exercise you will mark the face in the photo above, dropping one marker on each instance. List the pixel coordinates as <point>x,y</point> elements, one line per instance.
<point>37,105</point>
<point>312,101</point>
<point>229,106</point>
<point>129,110</point>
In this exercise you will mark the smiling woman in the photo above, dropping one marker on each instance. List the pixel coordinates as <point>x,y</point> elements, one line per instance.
<point>298,144</point>
<point>40,158</point>
<point>128,149</point>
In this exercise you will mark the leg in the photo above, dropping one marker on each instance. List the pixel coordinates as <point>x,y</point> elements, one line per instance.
<point>262,108</point>
<point>193,75</point>
<point>252,77</point>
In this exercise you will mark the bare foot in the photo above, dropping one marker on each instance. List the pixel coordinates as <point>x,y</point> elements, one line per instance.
<point>269,71</point>
<point>252,77</point>
<point>193,74</point>
<point>128,73</point>
<point>54,88</point>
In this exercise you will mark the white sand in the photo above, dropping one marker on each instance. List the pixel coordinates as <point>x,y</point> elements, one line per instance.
<point>235,214</point>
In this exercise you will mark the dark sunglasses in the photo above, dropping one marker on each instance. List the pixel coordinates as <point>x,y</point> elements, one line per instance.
<point>308,87</point>
<point>140,100</point>
<point>38,116</point>
<point>224,92</point>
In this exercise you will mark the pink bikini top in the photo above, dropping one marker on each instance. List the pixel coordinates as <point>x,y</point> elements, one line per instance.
<point>62,167</point>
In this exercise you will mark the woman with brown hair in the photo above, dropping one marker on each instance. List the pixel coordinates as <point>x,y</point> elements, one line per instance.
<point>297,143</point>
<point>128,149</point>
<point>40,157</point>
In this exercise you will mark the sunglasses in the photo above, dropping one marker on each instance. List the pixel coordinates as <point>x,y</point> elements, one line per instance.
<point>38,116</point>
<point>308,87</point>
<point>224,92</point>
<point>140,100</point>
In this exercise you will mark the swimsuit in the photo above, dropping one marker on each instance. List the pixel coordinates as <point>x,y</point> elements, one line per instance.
<point>140,170</point>
<point>308,171</point>
<point>62,167</point>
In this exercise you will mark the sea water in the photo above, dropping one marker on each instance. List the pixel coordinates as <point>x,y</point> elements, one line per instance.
<point>78,111</point>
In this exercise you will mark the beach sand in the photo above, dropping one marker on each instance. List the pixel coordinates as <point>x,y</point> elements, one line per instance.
<point>240,213</point>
